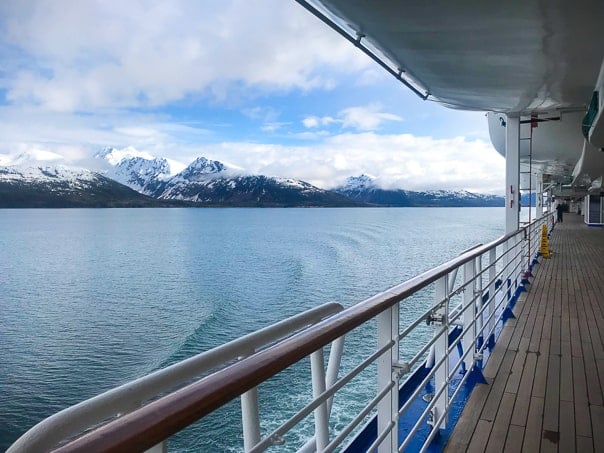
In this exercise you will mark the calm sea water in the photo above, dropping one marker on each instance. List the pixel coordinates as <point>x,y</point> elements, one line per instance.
<point>94,298</point>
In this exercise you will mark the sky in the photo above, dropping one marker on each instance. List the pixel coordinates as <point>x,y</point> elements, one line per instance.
<point>257,84</point>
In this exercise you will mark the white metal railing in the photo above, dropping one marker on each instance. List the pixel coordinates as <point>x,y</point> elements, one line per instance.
<point>470,294</point>
<point>130,396</point>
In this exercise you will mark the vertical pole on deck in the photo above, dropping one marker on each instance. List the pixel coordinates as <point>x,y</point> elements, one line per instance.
<point>512,199</point>
<point>161,447</point>
<point>317,364</point>
<point>478,288</point>
<point>539,195</point>
<point>250,419</point>
<point>387,326</point>
<point>469,313</point>
<point>550,207</point>
<point>441,346</point>
<point>492,294</point>
<point>512,173</point>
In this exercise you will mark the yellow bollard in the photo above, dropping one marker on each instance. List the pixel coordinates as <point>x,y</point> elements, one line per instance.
<point>544,242</point>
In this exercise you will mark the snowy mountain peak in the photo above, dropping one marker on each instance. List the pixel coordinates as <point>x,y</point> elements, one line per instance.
<point>141,174</point>
<point>46,173</point>
<point>201,167</point>
<point>360,182</point>
<point>136,169</point>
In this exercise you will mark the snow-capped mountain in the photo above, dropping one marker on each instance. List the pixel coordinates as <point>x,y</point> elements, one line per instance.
<point>359,183</point>
<point>27,185</point>
<point>138,170</point>
<point>212,183</point>
<point>142,175</point>
<point>48,174</point>
<point>364,189</point>
<point>135,178</point>
<point>200,169</point>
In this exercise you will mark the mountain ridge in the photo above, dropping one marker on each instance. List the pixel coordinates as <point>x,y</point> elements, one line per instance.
<point>134,178</point>
<point>64,187</point>
<point>364,189</point>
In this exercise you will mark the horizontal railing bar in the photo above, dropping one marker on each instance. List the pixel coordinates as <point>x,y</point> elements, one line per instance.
<point>382,435</point>
<point>427,378</point>
<point>355,421</point>
<point>435,396</point>
<point>422,351</point>
<point>474,247</point>
<point>491,331</point>
<point>416,323</point>
<point>328,393</point>
<point>450,376</point>
<point>414,395</point>
<point>458,311</point>
<point>452,397</point>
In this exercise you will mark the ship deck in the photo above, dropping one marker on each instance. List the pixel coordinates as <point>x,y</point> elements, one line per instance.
<point>545,378</point>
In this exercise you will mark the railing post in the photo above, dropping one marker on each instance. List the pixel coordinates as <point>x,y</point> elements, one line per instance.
<point>519,274</point>
<point>518,247</point>
<point>478,293</point>
<point>526,255</point>
<point>511,267</point>
<point>536,242</point>
<point>333,367</point>
<point>317,366</point>
<point>162,447</point>
<point>250,419</point>
<point>331,376</point>
<point>441,347</point>
<point>539,210</point>
<point>388,327</point>
<point>469,311</point>
<point>492,293</point>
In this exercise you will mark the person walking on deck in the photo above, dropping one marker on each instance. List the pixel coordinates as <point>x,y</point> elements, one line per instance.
<point>559,210</point>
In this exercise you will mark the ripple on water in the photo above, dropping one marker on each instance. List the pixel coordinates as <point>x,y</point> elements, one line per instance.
<point>94,298</point>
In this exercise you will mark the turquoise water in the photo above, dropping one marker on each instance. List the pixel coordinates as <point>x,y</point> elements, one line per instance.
<point>91,299</point>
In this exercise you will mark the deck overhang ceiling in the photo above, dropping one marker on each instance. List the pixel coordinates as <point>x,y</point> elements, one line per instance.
<point>511,57</point>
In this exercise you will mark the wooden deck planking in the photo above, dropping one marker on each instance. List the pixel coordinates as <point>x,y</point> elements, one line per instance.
<point>513,443</point>
<point>545,389</point>
<point>533,427</point>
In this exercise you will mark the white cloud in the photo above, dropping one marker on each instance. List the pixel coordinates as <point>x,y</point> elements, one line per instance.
<point>117,155</point>
<point>366,118</point>
<point>315,121</point>
<point>262,113</point>
<point>311,121</point>
<point>91,55</point>
<point>363,118</point>
<point>399,161</point>
<point>273,126</point>
<point>372,76</point>
<point>78,137</point>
